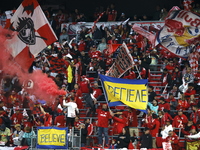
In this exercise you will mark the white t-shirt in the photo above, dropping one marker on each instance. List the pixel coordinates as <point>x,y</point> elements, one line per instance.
<point>164,133</point>
<point>71,109</point>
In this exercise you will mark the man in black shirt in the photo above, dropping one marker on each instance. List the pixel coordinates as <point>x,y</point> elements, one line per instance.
<point>152,94</point>
<point>146,139</point>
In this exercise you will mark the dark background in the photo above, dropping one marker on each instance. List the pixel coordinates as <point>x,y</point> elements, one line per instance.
<point>129,7</point>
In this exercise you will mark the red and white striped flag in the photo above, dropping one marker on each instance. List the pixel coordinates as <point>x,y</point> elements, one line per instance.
<point>32,33</point>
<point>97,20</point>
<point>151,37</point>
<point>187,4</point>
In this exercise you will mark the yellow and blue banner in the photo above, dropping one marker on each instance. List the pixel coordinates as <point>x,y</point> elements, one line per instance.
<point>52,138</point>
<point>133,93</point>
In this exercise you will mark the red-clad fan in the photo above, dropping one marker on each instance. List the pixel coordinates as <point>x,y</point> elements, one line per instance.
<point>183,103</point>
<point>180,120</point>
<point>138,37</point>
<point>13,98</point>
<point>195,115</point>
<point>47,117</point>
<point>90,128</point>
<point>97,92</point>
<point>84,84</point>
<point>154,126</point>
<point>190,91</point>
<point>17,117</point>
<point>81,45</point>
<point>131,75</point>
<point>170,67</point>
<point>113,40</point>
<point>163,105</point>
<point>186,130</point>
<point>60,120</point>
<point>170,98</point>
<point>173,139</point>
<point>165,78</point>
<point>103,122</point>
<point>119,124</point>
<point>132,121</point>
<point>148,118</point>
<point>78,96</point>
<point>95,54</point>
<point>26,121</point>
<point>77,123</point>
<point>163,117</point>
<point>109,61</point>
<point>3,98</point>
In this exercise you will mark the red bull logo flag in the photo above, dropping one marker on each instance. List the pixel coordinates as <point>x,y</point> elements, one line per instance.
<point>180,32</point>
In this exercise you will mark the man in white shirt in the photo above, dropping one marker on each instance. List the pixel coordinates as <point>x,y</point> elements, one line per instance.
<point>168,127</point>
<point>71,111</point>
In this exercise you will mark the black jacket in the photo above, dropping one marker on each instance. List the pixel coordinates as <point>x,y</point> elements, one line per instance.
<point>146,141</point>
<point>123,143</point>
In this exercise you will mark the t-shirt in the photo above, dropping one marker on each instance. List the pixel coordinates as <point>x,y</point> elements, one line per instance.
<point>4,134</point>
<point>103,117</point>
<point>71,109</point>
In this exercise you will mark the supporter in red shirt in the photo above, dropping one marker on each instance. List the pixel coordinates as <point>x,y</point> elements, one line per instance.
<point>84,84</point>
<point>103,119</point>
<point>180,120</point>
<point>170,98</point>
<point>148,118</point>
<point>17,117</point>
<point>182,103</point>
<point>166,78</point>
<point>195,115</point>
<point>13,98</point>
<point>119,124</point>
<point>173,139</point>
<point>190,91</point>
<point>112,13</point>
<point>186,130</point>
<point>81,45</point>
<point>27,122</point>
<point>97,92</point>
<point>130,75</point>
<point>78,96</point>
<point>154,126</point>
<point>47,118</point>
<point>60,120</point>
<point>170,67</point>
<point>163,116</point>
<point>163,105</point>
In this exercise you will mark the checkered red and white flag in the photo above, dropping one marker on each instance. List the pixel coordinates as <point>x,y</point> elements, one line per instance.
<point>187,4</point>
<point>32,33</point>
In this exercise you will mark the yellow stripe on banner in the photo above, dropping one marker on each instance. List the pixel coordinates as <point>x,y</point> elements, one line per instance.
<point>193,145</point>
<point>51,137</point>
<point>133,95</point>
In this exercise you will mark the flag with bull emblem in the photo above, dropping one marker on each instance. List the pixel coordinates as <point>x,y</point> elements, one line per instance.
<point>180,33</point>
<point>32,33</point>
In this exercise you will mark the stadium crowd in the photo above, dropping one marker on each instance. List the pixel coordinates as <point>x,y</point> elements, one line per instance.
<point>173,109</point>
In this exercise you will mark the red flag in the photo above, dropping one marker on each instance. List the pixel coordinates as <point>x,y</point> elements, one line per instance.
<point>97,20</point>
<point>144,33</point>
<point>32,33</point>
<point>112,48</point>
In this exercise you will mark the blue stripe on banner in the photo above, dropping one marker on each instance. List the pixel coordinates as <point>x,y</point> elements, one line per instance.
<point>115,103</point>
<point>123,81</point>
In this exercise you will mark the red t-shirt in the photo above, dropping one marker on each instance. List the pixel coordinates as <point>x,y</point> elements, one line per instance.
<point>60,121</point>
<point>103,118</point>
<point>47,120</point>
